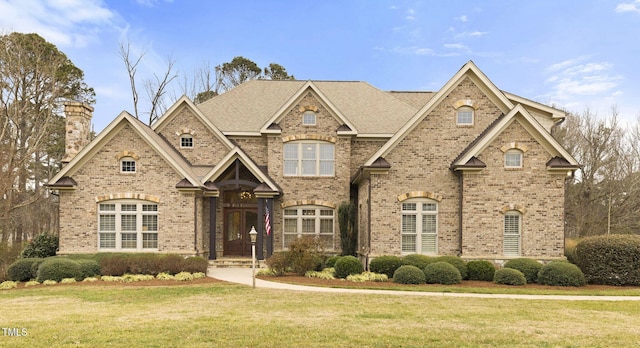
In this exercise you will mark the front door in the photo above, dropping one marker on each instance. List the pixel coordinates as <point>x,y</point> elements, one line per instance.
<point>237,224</point>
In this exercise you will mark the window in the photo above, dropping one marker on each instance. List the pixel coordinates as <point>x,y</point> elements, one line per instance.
<point>308,159</point>
<point>419,227</point>
<point>309,118</point>
<point>465,116</point>
<point>186,141</point>
<point>512,229</point>
<point>513,159</point>
<point>309,221</point>
<point>127,165</point>
<point>128,225</point>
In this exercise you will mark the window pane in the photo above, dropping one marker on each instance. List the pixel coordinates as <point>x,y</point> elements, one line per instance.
<point>512,224</point>
<point>309,167</point>
<point>326,226</point>
<point>308,226</point>
<point>149,222</point>
<point>107,207</point>
<point>128,207</point>
<point>149,207</point>
<point>408,224</point>
<point>409,206</point>
<point>186,141</point>
<point>150,240</point>
<point>326,167</point>
<point>513,159</point>
<point>107,223</point>
<point>465,116</point>
<point>512,245</point>
<point>291,151</point>
<point>129,241</point>
<point>128,222</point>
<point>308,212</point>
<point>429,207</point>
<point>107,240</point>
<point>409,243</point>
<point>128,166</point>
<point>309,118</point>
<point>291,226</point>
<point>293,212</point>
<point>326,212</point>
<point>429,244</point>
<point>291,167</point>
<point>326,151</point>
<point>309,151</point>
<point>429,224</point>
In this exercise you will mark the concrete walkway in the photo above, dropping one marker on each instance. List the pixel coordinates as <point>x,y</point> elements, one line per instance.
<point>243,276</point>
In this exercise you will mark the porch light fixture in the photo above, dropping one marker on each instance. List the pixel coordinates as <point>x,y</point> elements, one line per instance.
<point>253,236</point>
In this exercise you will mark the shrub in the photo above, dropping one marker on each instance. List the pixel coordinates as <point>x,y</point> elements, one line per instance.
<point>528,267</point>
<point>113,264</point>
<point>455,261</point>
<point>279,263</point>
<point>348,265</point>
<point>368,277</point>
<point>441,273</point>
<point>49,282</point>
<point>68,280</point>
<point>43,245</point>
<point>8,284</point>
<point>331,261</point>
<point>326,274</point>
<point>35,265</point>
<point>31,283</point>
<point>20,270</point>
<point>184,276</point>
<point>170,263</point>
<point>90,279</point>
<point>199,275</point>
<point>58,268</point>
<point>387,264</point>
<point>480,270</point>
<point>143,263</point>
<point>195,264</point>
<point>89,268</point>
<point>610,260</point>
<point>509,276</point>
<point>408,274</point>
<point>561,274</point>
<point>418,260</point>
<point>570,250</point>
<point>165,276</point>
<point>305,254</point>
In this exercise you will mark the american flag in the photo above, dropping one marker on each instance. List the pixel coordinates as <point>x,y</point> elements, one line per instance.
<point>267,222</point>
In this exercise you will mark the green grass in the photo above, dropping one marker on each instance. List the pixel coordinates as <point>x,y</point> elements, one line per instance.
<point>224,315</point>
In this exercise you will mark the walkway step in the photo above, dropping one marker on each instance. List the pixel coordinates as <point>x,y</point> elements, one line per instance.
<point>235,263</point>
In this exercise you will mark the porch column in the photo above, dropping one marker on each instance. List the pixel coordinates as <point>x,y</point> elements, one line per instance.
<point>212,227</point>
<point>269,204</point>
<point>260,228</point>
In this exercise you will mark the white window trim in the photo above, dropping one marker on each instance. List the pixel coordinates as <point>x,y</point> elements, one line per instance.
<point>186,136</point>
<point>304,118</point>
<point>118,213</point>
<point>419,213</point>
<point>299,217</point>
<point>318,160</point>
<point>513,152</point>
<point>465,109</point>
<point>128,159</point>
<point>510,236</point>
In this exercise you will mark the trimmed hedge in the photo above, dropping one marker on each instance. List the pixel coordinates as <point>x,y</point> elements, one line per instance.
<point>528,267</point>
<point>418,260</point>
<point>89,268</point>
<point>21,270</point>
<point>561,274</point>
<point>480,270</point>
<point>331,261</point>
<point>113,264</point>
<point>610,260</point>
<point>195,264</point>
<point>58,268</point>
<point>442,273</point>
<point>348,265</point>
<point>456,261</point>
<point>408,274</point>
<point>509,276</point>
<point>386,264</point>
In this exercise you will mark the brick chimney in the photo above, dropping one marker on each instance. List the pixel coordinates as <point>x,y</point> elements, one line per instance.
<point>77,128</point>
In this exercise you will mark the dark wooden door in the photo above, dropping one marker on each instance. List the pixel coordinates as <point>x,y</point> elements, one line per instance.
<point>237,224</point>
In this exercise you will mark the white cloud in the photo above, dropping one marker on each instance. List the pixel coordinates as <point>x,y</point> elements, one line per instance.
<point>71,23</point>
<point>629,7</point>
<point>455,46</point>
<point>462,18</point>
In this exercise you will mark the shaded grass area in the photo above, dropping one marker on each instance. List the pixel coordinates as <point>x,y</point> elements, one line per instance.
<point>221,314</point>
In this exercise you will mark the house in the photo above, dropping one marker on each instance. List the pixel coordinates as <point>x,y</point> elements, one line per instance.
<point>468,170</point>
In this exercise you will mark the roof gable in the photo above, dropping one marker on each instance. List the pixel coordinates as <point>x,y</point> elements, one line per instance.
<point>468,70</point>
<point>174,110</point>
<point>147,134</point>
<point>530,124</point>
<point>296,98</point>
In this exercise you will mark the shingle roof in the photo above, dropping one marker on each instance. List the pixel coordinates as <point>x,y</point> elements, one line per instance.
<point>372,111</point>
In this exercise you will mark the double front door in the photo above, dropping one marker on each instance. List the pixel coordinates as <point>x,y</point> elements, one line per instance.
<point>237,224</point>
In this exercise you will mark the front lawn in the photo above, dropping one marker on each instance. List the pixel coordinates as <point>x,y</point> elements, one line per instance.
<point>213,313</point>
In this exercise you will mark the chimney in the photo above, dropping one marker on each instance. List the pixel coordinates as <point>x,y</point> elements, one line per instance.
<point>77,128</point>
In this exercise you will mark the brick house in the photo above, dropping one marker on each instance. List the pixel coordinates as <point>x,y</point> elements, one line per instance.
<point>468,170</point>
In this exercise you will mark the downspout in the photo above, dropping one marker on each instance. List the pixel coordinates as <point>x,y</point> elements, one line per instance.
<point>460,207</point>
<point>366,256</point>
<point>195,224</point>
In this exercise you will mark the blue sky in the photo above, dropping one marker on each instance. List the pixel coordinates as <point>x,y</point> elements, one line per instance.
<point>574,54</point>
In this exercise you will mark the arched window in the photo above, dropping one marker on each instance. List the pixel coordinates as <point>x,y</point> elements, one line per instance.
<point>309,118</point>
<point>419,227</point>
<point>128,225</point>
<point>513,159</point>
<point>465,116</point>
<point>312,220</point>
<point>309,158</point>
<point>186,141</point>
<point>512,233</point>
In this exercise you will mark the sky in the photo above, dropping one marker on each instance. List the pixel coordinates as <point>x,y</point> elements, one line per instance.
<point>578,55</point>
